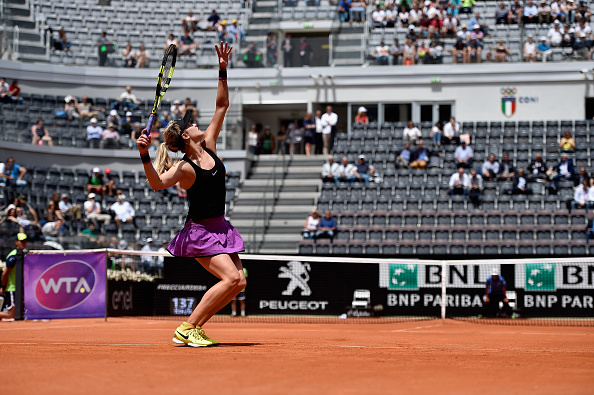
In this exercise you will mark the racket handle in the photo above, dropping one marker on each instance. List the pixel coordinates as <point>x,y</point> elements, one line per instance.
<point>149,125</point>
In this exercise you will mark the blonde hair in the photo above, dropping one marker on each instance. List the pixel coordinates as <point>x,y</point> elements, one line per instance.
<point>173,141</point>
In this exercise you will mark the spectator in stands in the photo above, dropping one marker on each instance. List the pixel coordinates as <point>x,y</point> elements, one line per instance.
<point>309,133</point>
<point>567,143</point>
<point>4,87</point>
<point>435,55</point>
<point>176,110</point>
<point>305,52</point>
<point>544,13</point>
<point>142,57</point>
<point>391,16</point>
<point>563,170</point>
<point>474,50</point>
<point>69,209</point>
<point>28,211</point>
<point>543,50</point>
<point>404,16</point>
<point>252,140</point>
<point>11,174</point>
<point>501,52</point>
<point>520,184</point>
<point>364,171</point>
<point>581,49</point>
<point>327,227</point>
<point>378,17</point>
<point>343,10</point>
<point>411,133</point>
<point>554,35</point>
<point>583,12</point>
<point>236,32</point>
<point>571,9</point>
<point>252,56</point>
<point>568,37</point>
<point>558,11</point>
<point>271,51</point>
<point>404,156</point>
<point>52,231</point>
<point>135,133</point>
<point>583,28</point>
<point>346,171</point>
<point>94,134</point>
<point>110,138</point>
<point>127,125</point>
<point>537,169</point>
<point>87,110</point>
<point>516,12</point>
<point>476,20</point>
<point>148,261</point>
<point>266,142</point>
<point>381,54</point>
<point>361,118</point>
<point>329,121</point>
<point>104,47</point>
<point>501,14</point>
<point>41,134</point>
<point>451,132</point>
<point>288,50</point>
<point>437,134</point>
<point>214,20</point>
<point>459,182</point>
<point>28,226</point>
<point>589,233</point>
<point>189,106</point>
<point>409,52</point>
<point>95,183</point>
<point>330,171</point>
<point>9,221</point>
<point>419,159</point>
<point>190,22</point>
<point>170,40</point>
<point>580,197</point>
<point>127,100</point>
<point>93,211</point>
<point>581,176</point>
<point>475,188</point>
<point>319,139</point>
<point>90,232</point>
<point>123,211</point>
<point>357,10</point>
<point>530,13</point>
<point>463,155</point>
<point>187,45</point>
<point>115,119</point>
<point>530,50</point>
<point>467,6</point>
<point>507,171</point>
<point>13,95</point>
<point>459,51</point>
<point>449,27</point>
<point>129,56</point>
<point>71,108</point>
<point>311,226</point>
<point>591,193</point>
<point>294,138</point>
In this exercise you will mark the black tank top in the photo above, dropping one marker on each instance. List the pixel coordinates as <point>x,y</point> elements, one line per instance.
<point>206,196</point>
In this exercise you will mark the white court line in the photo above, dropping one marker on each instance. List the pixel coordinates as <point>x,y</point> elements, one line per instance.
<point>88,344</point>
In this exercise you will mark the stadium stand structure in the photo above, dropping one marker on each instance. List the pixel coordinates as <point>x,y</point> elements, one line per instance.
<point>411,213</point>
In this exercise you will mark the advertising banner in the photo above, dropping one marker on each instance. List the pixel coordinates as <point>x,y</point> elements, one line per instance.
<point>129,298</point>
<point>64,285</point>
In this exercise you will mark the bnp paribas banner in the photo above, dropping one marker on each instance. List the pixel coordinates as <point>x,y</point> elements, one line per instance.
<point>64,285</point>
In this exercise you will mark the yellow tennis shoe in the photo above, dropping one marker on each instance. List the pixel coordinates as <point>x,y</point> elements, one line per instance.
<point>192,336</point>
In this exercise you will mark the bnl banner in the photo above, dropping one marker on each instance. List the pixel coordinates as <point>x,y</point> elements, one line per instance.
<point>541,289</point>
<point>64,286</point>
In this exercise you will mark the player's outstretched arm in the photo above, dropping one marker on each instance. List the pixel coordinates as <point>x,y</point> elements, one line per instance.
<point>222,103</point>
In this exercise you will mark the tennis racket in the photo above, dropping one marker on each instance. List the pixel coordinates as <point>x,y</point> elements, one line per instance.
<point>165,74</point>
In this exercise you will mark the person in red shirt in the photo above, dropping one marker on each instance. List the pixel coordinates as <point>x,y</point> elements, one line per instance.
<point>13,95</point>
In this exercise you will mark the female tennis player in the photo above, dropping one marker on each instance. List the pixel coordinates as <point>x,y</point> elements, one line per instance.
<point>206,236</point>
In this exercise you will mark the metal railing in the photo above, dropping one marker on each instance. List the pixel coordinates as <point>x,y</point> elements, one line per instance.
<point>274,182</point>
<point>15,42</point>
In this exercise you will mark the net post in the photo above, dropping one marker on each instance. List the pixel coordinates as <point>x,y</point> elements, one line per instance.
<point>444,275</point>
<point>106,287</point>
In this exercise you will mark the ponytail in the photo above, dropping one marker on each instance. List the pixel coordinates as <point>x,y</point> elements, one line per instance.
<point>163,161</point>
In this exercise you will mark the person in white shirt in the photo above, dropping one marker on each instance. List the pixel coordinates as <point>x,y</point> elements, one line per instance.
<point>411,133</point>
<point>329,120</point>
<point>530,50</point>
<point>68,208</point>
<point>580,197</point>
<point>51,230</point>
<point>459,183</point>
<point>148,261</point>
<point>591,193</point>
<point>123,210</point>
<point>583,28</point>
<point>93,211</point>
<point>520,184</point>
<point>347,172</point>
<point>382,54</point>
<point>127,100</point>
<point>451,132</point>
<point>490,168</point>
<point>555,35</point>
<point>190,22</point>
<point>319,139</point>
<point>463,155</point>
<point>311,226</point>
<point>378,16</point>
<point>330,171</point>
<point>160,258</point>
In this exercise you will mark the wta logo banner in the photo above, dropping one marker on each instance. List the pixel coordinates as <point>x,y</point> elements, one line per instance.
<point>64,286</point>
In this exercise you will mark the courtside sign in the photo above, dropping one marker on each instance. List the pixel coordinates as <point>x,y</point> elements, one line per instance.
<point>64,286</point>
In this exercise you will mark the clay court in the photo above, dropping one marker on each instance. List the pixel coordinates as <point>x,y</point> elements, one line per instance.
<point>136,356</point>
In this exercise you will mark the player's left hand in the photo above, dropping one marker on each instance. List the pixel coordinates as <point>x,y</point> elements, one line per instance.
<point>223,54</point>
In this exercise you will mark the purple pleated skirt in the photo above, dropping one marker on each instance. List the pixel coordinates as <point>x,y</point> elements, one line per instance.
<point>207,237</point>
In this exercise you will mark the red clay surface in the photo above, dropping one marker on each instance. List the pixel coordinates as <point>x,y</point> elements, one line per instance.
<point>132,356</point>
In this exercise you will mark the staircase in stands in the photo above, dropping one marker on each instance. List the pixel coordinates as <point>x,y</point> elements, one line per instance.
<point>31,43</point>
<point>271,219</point>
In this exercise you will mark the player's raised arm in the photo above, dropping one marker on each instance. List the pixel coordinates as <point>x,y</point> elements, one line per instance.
<point>222,103</point>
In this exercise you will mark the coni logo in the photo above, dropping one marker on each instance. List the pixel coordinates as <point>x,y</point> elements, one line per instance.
<point>65,285</point>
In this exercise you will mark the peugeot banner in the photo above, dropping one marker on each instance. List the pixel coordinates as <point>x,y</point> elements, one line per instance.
<point>64,285</point>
